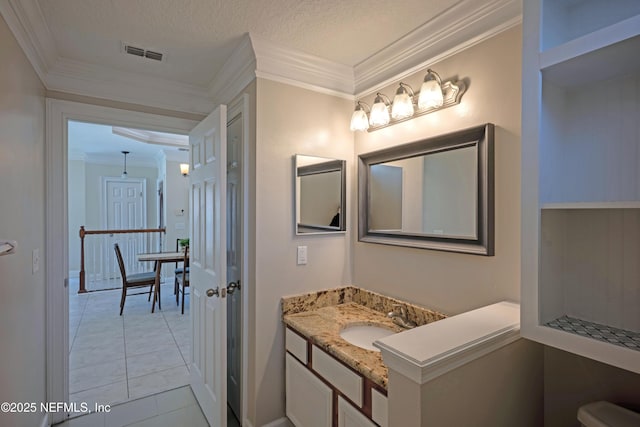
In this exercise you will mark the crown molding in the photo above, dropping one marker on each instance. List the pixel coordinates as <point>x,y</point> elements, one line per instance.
<point>27,23</point>
<point>150,137</point>
<point>91,80</point>
<point>256,57</point>
<point>463,25</point>
<point>276,62</point>
<point>236,73</point>
<point>466,23</point>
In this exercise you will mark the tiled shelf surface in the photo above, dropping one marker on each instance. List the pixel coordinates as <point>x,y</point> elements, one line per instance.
<point>597,331</point>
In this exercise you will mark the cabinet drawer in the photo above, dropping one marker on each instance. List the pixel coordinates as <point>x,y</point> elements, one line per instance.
<point>379,408</point>
<point>348,416</point>
<point>348,382</point>
<point>296,345</point>
<point>309,400</point>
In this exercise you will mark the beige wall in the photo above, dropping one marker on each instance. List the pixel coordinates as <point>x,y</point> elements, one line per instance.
<point>450,282</point>
<point>176,198</point>
<point>306,123</point>
<point>22,213</point>
<point>570,381</point>
<point>500,389</point>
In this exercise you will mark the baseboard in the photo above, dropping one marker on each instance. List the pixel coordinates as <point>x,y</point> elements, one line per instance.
<point>45,421</point>
<point>280,422</point>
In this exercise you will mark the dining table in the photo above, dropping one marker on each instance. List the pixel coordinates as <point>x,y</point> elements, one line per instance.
<point>159,258</point>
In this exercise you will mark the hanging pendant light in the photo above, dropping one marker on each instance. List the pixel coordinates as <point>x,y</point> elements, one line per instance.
<point>124,172</point>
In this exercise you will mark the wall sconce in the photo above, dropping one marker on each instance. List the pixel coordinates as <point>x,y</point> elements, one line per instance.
<point>184,169</point>
<point>434,95</point>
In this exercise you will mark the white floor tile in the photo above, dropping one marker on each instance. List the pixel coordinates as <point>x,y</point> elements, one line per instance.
<point>162,380</point>
<point>109,394</point>
<point>97,375</point>
<point>175,399</point>
<point>89,420</point>
<point>155,361</point>
<point>132,412</point>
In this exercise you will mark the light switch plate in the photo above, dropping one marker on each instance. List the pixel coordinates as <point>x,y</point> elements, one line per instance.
<point>302,255</point>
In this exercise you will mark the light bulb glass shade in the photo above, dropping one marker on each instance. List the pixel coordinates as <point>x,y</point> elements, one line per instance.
<point>184,169</point>
<point>359,120</point>
<point>403,102</point>
<point>431,95</point>
<point>379,112</point>
<point>124,175</point>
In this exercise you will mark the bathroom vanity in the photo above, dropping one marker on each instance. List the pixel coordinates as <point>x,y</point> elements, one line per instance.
<point>335,377</point>
<point>329,380</point>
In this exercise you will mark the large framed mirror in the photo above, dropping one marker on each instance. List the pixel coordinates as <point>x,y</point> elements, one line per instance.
<point>320,195</point>
<point>436,193</point>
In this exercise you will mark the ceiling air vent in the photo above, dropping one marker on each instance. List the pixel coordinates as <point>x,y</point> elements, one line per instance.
<point>142,53</point>
<point>153,55</point>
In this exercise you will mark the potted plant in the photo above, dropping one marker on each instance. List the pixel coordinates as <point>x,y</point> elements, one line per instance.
<point>183,243</point>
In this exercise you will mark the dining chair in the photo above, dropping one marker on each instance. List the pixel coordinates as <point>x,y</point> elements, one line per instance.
<point>183,279</point>
<point>133,280</point>
<point>178,270</point>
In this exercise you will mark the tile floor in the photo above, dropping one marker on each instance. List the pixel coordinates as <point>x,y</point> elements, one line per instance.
<point>173,408</point>
<point>115,358</point>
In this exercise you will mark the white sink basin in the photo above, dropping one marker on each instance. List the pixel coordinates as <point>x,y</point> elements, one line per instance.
<point>364,335</point>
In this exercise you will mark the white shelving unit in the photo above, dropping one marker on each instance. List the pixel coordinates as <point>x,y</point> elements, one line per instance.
<point>581,178</point>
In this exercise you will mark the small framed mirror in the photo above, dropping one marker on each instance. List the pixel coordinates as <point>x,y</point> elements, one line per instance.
<point>433,194</point>
<point>320,195</point>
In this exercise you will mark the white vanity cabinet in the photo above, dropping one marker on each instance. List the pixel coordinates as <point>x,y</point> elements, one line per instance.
<point>348,416</point>
<point>581,178</point>
<point>309,400</point>
<point>321,391</point>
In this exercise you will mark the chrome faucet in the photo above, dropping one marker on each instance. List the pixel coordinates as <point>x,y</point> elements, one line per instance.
<point>399,317</point>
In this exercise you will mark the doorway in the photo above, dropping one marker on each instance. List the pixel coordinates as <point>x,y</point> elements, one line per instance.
<point>59,113</point>
<point>117,357</point>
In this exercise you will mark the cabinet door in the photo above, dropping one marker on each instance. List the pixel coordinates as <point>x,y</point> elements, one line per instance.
<point>348,416</point>
<point>309,400</point>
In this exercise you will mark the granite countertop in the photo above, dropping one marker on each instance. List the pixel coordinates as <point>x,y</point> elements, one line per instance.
<point>321,315</point>
<point>323,325</point>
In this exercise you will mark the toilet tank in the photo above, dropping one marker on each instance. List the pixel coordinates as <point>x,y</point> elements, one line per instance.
<point>606,414</point>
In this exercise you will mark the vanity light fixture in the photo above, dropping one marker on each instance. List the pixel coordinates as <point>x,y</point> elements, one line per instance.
<point>402,102</point>
<point>431,91</point>
<point>184,169</point>
<point>379,115</point>
<point>434,95</point>
<point>359,118</point>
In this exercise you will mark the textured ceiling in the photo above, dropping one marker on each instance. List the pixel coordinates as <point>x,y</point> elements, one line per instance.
<point>198,36</point>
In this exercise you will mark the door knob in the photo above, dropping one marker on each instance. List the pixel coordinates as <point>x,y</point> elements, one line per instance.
<point>231,288</point>
<point>212,292</point>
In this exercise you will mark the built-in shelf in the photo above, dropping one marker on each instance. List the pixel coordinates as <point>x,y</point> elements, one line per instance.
<point>604,54</point>
<point>592,205</point>
<point>597,331</point>
<point>581,178</point>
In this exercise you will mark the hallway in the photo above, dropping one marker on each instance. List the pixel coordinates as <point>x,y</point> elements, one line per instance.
<point>114,358</point>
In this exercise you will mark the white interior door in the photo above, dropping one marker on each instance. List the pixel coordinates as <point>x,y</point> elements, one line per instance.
<point>234,264</point>
<point>208,264</point>
<point>125,204</point>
